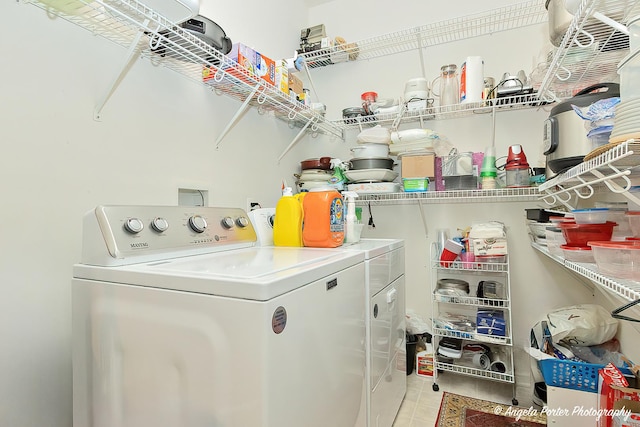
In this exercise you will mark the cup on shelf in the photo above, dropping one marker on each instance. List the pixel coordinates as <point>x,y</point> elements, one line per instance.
<point>450,252</point>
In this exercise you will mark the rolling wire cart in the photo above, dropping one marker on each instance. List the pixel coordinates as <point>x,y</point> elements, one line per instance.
<point>472,309</point>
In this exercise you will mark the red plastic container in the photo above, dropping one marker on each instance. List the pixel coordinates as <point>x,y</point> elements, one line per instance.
<point>580,234</point>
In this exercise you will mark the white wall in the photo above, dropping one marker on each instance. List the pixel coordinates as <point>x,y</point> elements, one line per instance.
<point>157,134</point>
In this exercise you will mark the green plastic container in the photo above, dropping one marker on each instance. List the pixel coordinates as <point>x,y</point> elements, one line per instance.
<point>412,185</point>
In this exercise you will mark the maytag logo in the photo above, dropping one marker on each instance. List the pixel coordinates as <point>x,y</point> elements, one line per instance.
<point>140,245</point>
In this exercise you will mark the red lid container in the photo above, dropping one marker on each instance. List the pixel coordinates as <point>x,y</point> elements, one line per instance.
<point>580,234</point>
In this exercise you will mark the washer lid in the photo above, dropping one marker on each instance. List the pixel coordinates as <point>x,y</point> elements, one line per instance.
<point>256,273</point>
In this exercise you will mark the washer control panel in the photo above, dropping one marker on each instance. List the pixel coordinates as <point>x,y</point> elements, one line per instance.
<point>159,232</point>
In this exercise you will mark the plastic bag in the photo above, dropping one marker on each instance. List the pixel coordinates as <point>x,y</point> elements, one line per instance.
<point>599,110</point>
<point>415,324</point>
<point>376,134</point>
<point>582,325</point>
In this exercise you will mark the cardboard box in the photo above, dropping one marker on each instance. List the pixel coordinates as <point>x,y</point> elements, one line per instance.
<point>489,246</point>
<point>282,76</point>
<point>631,416</point>
<point>614,393</point>
<point>295,84</point>
<point>256,63</point>
<point>418,166</point>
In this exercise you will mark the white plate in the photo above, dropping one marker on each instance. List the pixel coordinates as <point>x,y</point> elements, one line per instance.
<point>371,175</point>
<point>629,112</point>
<point>626,105</point>
<point>374,187</point>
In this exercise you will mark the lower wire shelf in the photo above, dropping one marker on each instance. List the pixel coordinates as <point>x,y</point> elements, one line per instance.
<point>475,372</point>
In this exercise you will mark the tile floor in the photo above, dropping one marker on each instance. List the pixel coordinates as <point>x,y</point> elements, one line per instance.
<point>421,404</point>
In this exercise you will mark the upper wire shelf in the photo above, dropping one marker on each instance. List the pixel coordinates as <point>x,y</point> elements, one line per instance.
<point>452,196</point>
<point>613,169</point>
<point>393,120</point>
<point>590,50</point>
<point>451,30</point>
<point>167,44</point>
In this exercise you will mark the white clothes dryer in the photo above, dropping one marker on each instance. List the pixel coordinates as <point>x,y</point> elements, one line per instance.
<point>180,320</point>
<point>385,327</point>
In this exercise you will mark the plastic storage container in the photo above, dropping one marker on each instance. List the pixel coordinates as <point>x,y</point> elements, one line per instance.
<point>618,259</point>
<point>411,185</point>
<point>555,239</point>
<point>580,234</point>
<point>573,375</point>
<point>323,219</point>
<point>577,253</point>
<point>634,222</point>
<point>287,224</point>
<point>590,216</point>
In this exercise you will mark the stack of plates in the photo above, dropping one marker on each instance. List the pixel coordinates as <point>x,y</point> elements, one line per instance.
<point>370,175</point>
<point>626,124</point>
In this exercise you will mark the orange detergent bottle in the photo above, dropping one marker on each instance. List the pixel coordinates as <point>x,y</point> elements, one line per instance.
<point>323,218</point>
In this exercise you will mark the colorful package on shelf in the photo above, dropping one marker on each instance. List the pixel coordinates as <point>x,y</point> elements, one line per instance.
<point>254,62</point>
<point>491,322</point>
<point>613,392</point>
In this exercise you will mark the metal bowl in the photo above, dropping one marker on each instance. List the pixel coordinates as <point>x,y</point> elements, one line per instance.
<point>358,163</point>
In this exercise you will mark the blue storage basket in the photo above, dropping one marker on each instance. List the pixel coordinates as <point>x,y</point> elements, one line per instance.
<point>574,375</point>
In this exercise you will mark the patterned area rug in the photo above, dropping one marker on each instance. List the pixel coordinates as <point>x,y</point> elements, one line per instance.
<point>462,411</point>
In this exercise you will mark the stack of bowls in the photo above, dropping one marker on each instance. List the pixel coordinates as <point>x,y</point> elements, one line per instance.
<point>590,225</point>
<point>627,119</point>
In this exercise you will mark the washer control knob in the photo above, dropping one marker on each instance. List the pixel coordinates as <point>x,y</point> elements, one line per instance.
<point>197,223</point>
<point>159,224</point>
<point>133,225</point>
<point>242,221</point>
<point>227,222</point>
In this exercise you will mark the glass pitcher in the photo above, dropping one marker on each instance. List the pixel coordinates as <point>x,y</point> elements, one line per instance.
<point>449,88</point>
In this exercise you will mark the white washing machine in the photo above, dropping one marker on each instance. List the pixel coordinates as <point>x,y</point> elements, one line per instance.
<point>385,318</point>
<point>179,320</point>
<point>386,325</point>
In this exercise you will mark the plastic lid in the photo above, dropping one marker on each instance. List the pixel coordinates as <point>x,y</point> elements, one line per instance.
<point>590,210</point>
<point>576,248</point>
<point>629,244</point>
<point>632,213</point>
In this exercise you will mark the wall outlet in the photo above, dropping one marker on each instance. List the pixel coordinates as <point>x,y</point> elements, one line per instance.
<point>252,203</point>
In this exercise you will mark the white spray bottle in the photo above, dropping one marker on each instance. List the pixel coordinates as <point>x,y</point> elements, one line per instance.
<point>351,236</point>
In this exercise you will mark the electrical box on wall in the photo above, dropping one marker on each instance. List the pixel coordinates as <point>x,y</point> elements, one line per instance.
<point>192,197</point>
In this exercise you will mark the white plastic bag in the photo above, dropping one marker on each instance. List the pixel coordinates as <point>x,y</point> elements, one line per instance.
<point>415,325</point>
<point>582,325</point>
<point>376,134</point>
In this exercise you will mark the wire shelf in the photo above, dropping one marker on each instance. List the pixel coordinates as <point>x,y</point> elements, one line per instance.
<point>474,336</point>
<point>452,196</point>
<point>497,376</point>
<point>501,104</point>
<point>166,44</point>
<point>473,301</point>
<point>590,50</point>
<point>471,267</point>
<point>627,289</point>
<point>447,31</point>
<point>613,170</point>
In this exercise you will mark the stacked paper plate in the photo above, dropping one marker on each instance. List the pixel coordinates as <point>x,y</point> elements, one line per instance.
<point>626,124</point>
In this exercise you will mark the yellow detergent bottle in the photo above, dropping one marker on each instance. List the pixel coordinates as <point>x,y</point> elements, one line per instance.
<point>287,224</point>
